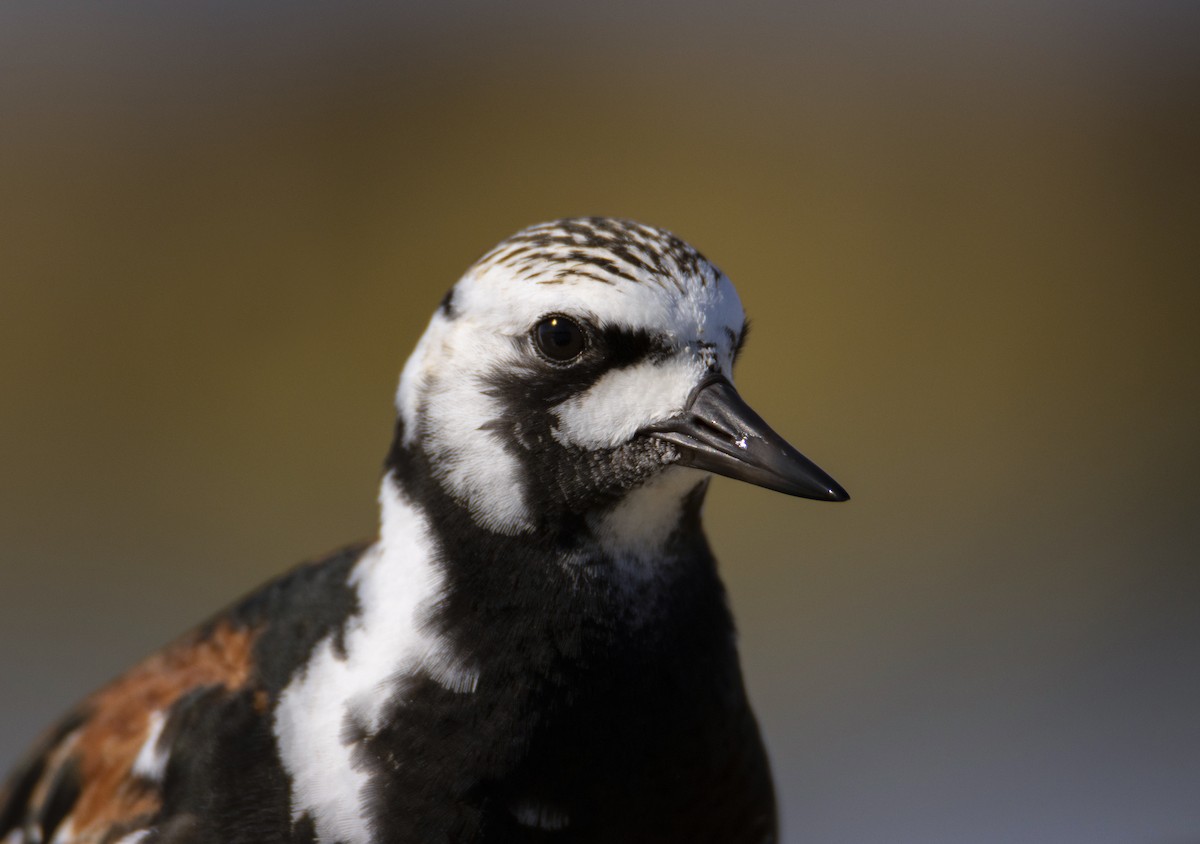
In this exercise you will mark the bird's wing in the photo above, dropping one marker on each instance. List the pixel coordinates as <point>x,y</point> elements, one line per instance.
<point>99,773</point>
<point>184,738</point>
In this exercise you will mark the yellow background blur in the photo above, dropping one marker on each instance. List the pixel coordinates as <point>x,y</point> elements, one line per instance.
<point>967,234</point>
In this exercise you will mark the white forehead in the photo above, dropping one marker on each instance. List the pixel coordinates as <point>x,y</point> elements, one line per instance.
<point>610,272</point>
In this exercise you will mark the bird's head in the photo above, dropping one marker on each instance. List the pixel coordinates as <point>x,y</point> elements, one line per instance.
<point>582,370</point>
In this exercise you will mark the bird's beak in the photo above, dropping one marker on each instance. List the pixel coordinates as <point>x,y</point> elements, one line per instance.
<point>718,432</point>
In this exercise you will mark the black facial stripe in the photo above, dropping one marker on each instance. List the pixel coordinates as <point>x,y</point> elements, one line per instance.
<point>541,385</point>
<point>566,481</point>
<point>625,347</point>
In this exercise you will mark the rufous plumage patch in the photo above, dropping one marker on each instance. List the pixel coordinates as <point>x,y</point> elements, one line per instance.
<point>101,755</point>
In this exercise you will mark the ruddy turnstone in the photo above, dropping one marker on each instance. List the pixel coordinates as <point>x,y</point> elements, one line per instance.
<point>537,647</point>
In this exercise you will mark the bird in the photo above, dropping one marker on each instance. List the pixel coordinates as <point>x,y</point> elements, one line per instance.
<point>537,646</point>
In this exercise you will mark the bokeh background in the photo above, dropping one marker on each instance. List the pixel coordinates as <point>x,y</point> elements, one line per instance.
<point>967,234</point>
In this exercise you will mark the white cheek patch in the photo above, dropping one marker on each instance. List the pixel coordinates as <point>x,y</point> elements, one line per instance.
<point>469,459</point>
<point>442,396</point>
<point>625,400</point>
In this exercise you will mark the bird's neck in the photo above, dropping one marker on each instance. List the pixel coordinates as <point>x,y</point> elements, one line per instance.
<point>457,625</point>
<point>640,542</point>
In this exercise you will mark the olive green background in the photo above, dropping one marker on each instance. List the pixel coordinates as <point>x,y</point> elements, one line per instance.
<point>967,235</point>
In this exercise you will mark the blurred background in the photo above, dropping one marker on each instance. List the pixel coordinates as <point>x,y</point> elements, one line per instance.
<point>968,234</point>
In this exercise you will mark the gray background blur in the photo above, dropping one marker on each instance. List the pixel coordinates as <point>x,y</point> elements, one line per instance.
<point>967,234</point>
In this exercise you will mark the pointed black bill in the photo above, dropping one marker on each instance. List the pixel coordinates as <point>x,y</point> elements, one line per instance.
<point>718,432</point>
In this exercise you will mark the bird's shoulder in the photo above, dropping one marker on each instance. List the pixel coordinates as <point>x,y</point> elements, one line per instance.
<point>144,747</point>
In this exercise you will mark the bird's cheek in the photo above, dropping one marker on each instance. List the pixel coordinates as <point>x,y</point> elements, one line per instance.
<point>611,411</point>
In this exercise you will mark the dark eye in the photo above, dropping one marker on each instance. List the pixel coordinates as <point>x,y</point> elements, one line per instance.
<point>559,339</point>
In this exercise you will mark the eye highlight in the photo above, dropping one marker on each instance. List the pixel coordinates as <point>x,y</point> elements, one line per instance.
<point>559,339</point>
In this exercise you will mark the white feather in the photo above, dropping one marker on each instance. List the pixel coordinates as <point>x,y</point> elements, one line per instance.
<point>133,837</point>
<point>625,400</point>
<point>394,580</point>
<point>151,761</point>
<point>637,529</point>
<point>445,384</point>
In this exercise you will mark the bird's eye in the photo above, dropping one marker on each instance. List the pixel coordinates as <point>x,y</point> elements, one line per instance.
<point>559,339</point>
